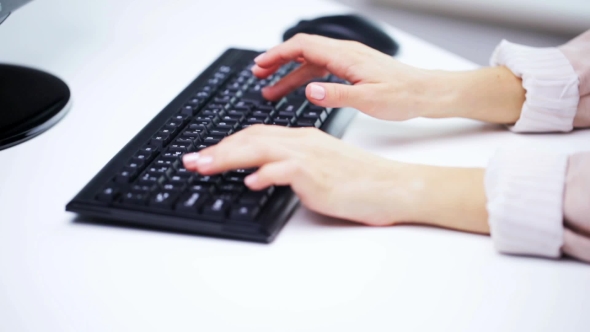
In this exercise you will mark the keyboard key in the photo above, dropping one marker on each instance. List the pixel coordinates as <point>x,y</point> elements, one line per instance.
<point>258,198</point>
<point>108,194</point>
<point>202,188</point>
<point>163,199</point>
<point>292,107</point>
<point>134,198</point>
<point>232,188</point>
<point>206,179</point>
<point>216,207</point>
<point>220,133</point>
<point>135,166</point>
<point>139,189</point>
<point>160,140</point>
<point>244,212</point>
<point>124,177</point>
<point>312,115</point>
<point>211,113</point>
<point>225,69</point>
<point>159,169</point>
<point>190,202</point>
<point>173,187</point>
<point>309,123</point>
<point>149,179</point>
<point>226,125</point>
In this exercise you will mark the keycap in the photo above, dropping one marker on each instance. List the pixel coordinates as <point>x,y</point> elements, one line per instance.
<point>160,140</point>
<point>216,207</point>
<point>173,187</point>
<point>158,169</point>
<point>189,109</point>
<point>292,107</point>
<point>163,199</point>
<point>190,134</point>
<point>220,133</point>
<point>124,177</point>
<point>244,212</point>
<point>179,147</point>
<point>134,198</point>
<point>201,188</point>
<point>309,123</point>
<point>139,189</point>
<point>258,198</point>
<point>149,179</point>
<point>231,188</point>
<point>108,194</point>
<point>190,202</point>
<point>206,179</point>
<point>135,166</point>
<point>314,115</point>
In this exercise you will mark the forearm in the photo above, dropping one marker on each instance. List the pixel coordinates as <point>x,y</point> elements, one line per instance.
<point>492,94</point>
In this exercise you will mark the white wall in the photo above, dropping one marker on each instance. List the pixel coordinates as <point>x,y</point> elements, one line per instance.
<point>564,16</point>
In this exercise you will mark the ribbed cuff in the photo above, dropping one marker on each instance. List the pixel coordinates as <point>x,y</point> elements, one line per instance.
<point>525,202</point>
<point>550,82</point>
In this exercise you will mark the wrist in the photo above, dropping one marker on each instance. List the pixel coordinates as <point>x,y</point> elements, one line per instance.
<point>491,94</point>
<point>446,197</point>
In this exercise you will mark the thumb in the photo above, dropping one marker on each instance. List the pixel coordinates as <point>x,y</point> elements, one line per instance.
<point>338,95</point>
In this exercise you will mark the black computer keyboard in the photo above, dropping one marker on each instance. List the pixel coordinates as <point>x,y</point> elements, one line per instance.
<point>146,185</point>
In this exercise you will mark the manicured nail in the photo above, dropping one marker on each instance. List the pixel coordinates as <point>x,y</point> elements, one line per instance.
<point>251,179</point>
<point>259,57</point>
<point>204,160</point>
<point>190,159</point>
<point>317,91</point>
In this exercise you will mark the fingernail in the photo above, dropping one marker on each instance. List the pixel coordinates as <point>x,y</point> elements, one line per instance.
<point>204,160</point>
<point>190,159</point>
<point>251,179</point>
<point>317,91</point>
<point>259,57</point>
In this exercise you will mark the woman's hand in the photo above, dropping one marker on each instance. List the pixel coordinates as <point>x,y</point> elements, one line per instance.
<point>385,88</point>
<point>339,180</point>
<point>382,86</point>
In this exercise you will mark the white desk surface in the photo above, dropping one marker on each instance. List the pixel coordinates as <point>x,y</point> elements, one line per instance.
<point>124,61</point>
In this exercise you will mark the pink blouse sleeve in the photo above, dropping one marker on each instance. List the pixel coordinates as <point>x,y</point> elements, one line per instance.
<point>576,207</point>
<point>577,52</point>
<point>539,203</point>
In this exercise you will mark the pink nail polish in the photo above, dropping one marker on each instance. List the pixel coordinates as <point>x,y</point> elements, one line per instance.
<point>251,179</point>
<point>204,160</point>
<point>317,92</point>
<point>259,57</point>
<point>190,159</point>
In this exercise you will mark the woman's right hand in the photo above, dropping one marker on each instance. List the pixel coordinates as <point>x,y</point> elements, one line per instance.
<point>387,89</point>
<point>381,86</point>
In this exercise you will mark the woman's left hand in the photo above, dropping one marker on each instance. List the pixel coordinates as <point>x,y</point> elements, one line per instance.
<point>329,176</point>
<point>340,180</point>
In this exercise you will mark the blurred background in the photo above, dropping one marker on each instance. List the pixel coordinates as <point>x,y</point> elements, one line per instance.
<point>473,28</point>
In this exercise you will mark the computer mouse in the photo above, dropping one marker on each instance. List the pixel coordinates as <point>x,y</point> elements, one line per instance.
<point>347,27</point>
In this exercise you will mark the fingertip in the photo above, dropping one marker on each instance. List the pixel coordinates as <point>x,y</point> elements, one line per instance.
<point>260,57</point>
<point>189,161</point>
<point>315,91</point>
<point>251,180</point>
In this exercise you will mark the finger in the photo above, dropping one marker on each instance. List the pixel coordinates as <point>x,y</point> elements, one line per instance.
<point>281,173</point>
<point>335,55</point>
<point>264,72</point>
<point>252,147</point>
<point>340,95</point>
<point>293,81</point>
